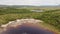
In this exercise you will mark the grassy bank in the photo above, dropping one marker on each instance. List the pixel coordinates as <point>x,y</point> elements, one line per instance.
<point>51,17</point>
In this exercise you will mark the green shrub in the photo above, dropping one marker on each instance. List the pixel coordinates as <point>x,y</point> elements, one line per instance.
<point>51,17</point>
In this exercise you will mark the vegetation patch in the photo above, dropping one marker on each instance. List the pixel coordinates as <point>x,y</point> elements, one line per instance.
<point>51,17</point>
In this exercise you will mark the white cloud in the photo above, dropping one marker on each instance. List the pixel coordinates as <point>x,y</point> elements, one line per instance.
<point>30,2</point>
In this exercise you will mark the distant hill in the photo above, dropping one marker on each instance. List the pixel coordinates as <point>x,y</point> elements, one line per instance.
<point>25,6</point>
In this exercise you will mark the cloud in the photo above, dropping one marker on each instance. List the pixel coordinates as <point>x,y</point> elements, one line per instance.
<point>30,2</point>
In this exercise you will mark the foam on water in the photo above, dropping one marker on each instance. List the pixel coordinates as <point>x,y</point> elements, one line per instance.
<point>24,26</point>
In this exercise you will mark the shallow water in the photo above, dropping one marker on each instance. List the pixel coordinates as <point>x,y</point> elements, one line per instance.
<point>26,30</point>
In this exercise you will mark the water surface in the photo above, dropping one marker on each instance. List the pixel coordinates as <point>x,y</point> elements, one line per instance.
<point>26,30</point>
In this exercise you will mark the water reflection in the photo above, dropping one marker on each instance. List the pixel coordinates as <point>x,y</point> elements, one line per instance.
<point>26,30</point>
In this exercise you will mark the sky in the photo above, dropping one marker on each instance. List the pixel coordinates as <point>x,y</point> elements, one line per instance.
<point>30,2</point>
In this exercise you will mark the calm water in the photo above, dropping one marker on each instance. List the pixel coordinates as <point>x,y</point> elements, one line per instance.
<point>26,30</point>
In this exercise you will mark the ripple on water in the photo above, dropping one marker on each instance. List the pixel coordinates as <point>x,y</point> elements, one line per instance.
<point>26,30</point>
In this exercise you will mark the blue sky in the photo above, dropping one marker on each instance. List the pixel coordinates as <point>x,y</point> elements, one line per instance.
<point>30,2</point>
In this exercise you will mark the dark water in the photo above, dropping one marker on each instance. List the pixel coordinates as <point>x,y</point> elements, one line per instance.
<point>26,30</point>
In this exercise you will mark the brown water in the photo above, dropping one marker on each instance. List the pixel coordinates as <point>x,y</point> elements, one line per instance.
<point>25,26</point>
<point>26,30</point>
